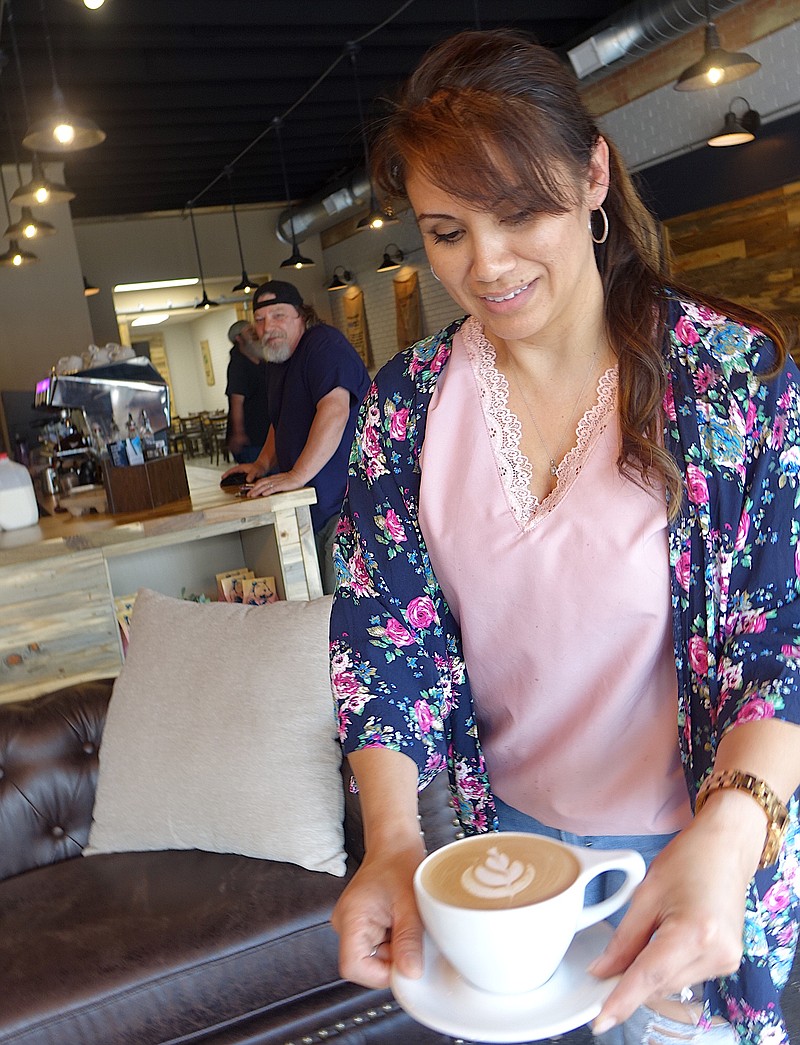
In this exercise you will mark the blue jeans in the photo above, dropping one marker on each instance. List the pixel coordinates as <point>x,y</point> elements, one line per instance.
<point>644,1027</point>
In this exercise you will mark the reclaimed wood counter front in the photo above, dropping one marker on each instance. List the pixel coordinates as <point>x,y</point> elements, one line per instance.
<point>58,580</point>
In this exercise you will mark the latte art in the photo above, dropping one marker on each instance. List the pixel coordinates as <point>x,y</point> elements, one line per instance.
<point>497,876</point>
<point>500,870</point>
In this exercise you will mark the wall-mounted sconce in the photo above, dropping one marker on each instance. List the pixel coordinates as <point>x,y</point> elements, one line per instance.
<point>736,130</point>
<point>340,282</point>
<point>393,258</point>
<point>89,289</point>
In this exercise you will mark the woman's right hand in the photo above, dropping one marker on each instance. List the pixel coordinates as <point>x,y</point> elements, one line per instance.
<point>377,919</point>
<point>376,916</point>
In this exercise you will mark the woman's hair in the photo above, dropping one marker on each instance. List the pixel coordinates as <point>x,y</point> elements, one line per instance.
<point>496,120</point>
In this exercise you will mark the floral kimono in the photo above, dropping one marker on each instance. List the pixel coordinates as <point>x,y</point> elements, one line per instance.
<point>397,665</point>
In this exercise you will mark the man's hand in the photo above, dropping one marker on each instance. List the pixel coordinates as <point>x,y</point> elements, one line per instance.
<point>278,483</point>
<point>249,472</point>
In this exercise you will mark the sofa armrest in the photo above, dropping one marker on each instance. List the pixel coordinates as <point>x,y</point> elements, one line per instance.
<point>48,774</point>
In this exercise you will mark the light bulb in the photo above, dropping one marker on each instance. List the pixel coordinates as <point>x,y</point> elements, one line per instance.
<point>715,75</point>
<point>42,195</point>
<point>377,223</point>
<point>93,4</point>
<point>29,231</point>
<point>17,259</point>
<point>64,133</point>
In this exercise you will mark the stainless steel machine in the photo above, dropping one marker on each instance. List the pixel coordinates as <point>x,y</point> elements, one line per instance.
<point>94,408</point>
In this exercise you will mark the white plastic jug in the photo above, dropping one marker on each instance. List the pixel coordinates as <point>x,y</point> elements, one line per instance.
<point>18,505</point>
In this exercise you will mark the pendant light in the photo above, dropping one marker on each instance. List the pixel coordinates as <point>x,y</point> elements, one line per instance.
<point>245,285</point>
<point>717,66</point>
<point>296,260</point>
<point>60,131</point>
<point>340,282</point>
<point>204,302</point>
<point>13,257</point>
<point>29,227</point>
<point>40,190</point>
<point>376,218</point>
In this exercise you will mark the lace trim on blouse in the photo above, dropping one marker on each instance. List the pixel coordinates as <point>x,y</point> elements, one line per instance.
<point>505,431</point>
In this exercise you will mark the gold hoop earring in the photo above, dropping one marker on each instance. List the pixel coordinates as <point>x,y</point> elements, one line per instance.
<point>604,234</point>
<point>434,275</point>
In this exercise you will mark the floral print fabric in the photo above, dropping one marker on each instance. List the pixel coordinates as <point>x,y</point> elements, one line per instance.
<point>398,671</point>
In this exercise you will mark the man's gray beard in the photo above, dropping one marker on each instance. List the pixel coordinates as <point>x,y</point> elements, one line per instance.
<point>276,353</point>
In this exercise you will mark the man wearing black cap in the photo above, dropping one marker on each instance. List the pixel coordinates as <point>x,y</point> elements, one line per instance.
<point>246,390</point>
<point>315,383</point>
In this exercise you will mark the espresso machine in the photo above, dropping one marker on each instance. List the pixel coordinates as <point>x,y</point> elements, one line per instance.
<point>91,409</point>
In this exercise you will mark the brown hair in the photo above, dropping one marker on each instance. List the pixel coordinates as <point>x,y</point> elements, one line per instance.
<point>493,118</point>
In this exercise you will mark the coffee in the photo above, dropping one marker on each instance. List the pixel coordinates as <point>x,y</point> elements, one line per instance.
<point>500,871</point>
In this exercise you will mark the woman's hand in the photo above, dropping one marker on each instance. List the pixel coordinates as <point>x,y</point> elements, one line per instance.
<point>685,921</point>
<point>377,920</point>
<point>376,916</point>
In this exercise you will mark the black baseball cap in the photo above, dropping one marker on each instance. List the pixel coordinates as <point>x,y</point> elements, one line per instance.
<point>276,292</point>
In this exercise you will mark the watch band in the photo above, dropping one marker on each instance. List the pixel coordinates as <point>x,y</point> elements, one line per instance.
<point>776,812</point>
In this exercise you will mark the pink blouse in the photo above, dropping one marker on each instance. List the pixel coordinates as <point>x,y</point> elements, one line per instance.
<point>564,607</point>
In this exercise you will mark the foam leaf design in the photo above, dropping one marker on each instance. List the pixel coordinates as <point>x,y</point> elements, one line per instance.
<point>498,876</point>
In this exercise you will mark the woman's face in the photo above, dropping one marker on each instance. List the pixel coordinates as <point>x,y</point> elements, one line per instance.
<point>527,276</point>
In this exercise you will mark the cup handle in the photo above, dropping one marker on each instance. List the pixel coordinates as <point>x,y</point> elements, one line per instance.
<point>626,860</point>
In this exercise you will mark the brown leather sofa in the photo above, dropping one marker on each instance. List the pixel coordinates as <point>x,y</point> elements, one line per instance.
<point>162,947</point>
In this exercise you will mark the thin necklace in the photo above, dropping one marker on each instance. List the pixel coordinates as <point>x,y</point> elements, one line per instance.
<point>571,417</point>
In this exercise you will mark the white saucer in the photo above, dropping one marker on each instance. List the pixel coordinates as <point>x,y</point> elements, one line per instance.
<point>444,1000</point>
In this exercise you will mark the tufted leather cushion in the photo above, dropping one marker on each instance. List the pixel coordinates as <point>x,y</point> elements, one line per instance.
<point>145,948</point>
<point>48,770</point>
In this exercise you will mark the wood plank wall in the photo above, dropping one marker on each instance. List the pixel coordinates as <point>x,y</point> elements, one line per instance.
<point>747,250</point>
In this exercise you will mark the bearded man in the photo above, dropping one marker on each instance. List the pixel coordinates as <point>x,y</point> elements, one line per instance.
<point>315,383</point>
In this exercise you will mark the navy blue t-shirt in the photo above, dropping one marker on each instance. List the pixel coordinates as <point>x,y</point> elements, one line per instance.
<point>323,360</point>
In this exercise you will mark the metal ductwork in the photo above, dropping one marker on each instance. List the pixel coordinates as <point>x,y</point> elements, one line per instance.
<point>639,29</point>
<point>631,33</point>
<point>320,212</point>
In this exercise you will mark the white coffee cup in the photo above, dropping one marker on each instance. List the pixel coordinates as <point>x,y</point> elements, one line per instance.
<point>504,907</point>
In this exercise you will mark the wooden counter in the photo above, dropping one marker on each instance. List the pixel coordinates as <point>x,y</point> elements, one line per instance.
<point>58,580</point>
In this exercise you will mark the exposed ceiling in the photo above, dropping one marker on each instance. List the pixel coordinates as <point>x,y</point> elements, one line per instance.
<point>183,88</point>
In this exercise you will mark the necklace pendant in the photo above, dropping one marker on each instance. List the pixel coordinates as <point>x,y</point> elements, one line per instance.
<point>553,469</point>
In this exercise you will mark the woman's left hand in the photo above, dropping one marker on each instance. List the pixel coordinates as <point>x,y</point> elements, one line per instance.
<point>685,921</point>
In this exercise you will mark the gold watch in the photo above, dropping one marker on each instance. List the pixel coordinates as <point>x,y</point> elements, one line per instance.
<point>776,811</point>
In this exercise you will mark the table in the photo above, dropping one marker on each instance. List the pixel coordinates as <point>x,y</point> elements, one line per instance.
<point>59,579</point>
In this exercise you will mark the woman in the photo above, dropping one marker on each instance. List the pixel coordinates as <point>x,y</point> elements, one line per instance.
<point>587,484</point>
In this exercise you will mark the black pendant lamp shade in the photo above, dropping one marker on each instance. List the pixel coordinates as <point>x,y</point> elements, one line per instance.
<point>40,190</point>
<point>14,257</point>
<point>717,66</point>
<point>60,130</point>
<point>29,227</point>
<point>204,303</point>
<point>376,218</point>
<point>245,285</point>
<point>296,260</point>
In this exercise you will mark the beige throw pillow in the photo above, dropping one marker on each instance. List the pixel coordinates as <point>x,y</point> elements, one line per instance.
<point>221,735</point>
